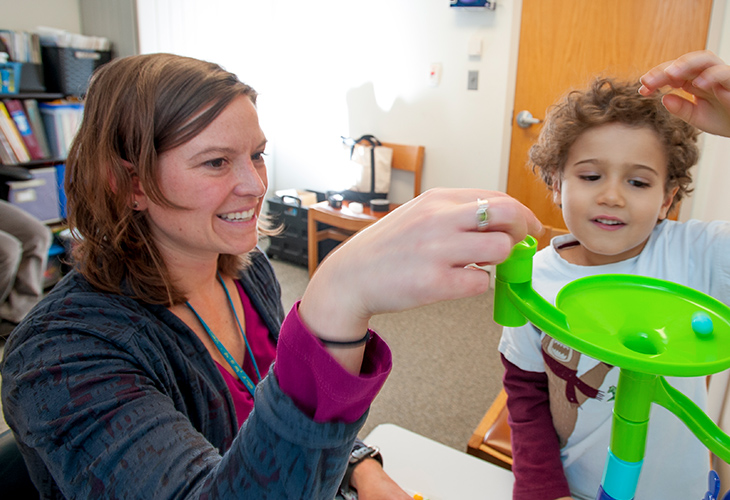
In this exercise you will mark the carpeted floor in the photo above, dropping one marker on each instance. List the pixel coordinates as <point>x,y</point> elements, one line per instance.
<point>446,368</point>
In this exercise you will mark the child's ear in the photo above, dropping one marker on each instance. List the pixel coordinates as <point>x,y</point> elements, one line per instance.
<point>557,195</point>
<point>668,198</point>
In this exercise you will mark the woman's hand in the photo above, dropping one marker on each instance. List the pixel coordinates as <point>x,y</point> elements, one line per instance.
<point>372,483</point>
<point>703,75</point>
<point>416,255</point>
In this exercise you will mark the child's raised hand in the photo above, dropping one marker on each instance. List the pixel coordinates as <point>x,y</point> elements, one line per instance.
<point>703,75</point>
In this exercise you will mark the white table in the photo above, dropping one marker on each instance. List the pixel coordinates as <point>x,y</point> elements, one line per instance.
<point>421,465</point>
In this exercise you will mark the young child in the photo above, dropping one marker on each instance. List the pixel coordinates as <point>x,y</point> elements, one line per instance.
<point>617,162</point>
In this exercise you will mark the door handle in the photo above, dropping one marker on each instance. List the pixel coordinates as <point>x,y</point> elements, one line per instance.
<point>525,119</point>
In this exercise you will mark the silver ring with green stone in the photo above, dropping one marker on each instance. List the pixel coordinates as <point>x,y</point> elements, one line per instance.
<point>482,214</point>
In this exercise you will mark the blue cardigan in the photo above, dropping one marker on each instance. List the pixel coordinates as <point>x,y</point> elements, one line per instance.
<point>111,397</point>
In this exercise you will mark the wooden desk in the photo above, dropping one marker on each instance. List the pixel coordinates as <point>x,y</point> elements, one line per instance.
<point>421,465</point>
<point>345,223</point>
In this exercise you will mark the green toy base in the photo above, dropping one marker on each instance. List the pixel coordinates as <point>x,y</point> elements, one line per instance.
<point>646,325</point>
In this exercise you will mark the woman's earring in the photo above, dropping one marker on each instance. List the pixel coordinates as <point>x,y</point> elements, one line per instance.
<point>135,204</point>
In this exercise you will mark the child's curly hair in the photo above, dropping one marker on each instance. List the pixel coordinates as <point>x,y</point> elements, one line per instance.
<point>610,101</point>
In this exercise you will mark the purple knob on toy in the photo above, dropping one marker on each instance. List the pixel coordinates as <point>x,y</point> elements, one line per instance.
<point>702,324</point>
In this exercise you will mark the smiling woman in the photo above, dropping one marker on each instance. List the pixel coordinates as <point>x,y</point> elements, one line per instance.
<point>153,360</point>
<point>218,178</point>
<point>132,146</point>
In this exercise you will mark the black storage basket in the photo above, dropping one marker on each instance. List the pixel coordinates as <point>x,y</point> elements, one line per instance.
<point>292,243</point>
<point>68,70</point>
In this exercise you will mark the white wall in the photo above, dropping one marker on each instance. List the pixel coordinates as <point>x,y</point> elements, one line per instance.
<point>336,68</point>
<point>331,68</point>
<point>710,201</point>
<point>114,19</point>
<point>26,15</point>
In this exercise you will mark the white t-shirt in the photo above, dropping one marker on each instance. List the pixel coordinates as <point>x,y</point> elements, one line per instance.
<point>695,254</point>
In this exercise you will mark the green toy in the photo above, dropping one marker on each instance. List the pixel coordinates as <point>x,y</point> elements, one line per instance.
<point>649,328</point>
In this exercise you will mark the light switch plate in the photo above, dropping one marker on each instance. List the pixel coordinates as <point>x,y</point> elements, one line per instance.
<point>434,75</point>
<point>473,80</point>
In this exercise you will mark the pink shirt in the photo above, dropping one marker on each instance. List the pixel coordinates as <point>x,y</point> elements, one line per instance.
<point>264,351</point>
<point>317,384</point>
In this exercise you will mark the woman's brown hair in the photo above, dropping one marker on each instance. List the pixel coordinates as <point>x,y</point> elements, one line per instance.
<point>137,108</point>
<point>610,101</point>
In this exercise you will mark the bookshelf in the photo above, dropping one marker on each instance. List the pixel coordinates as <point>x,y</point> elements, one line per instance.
<point>38,163</point>
<point>50,70</point>
<point>43,116</point>
<point>33,95</point>
<point>37,191</point>
<point>25,125</point>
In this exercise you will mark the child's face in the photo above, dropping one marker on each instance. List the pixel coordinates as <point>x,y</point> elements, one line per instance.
<point>613,192</point>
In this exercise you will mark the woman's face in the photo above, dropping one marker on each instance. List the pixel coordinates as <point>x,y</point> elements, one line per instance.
<point>219,177</point>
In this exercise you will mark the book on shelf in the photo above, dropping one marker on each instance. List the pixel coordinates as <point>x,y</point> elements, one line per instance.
<point>7,125</point>
<point>61,119</point>
<point>36,123</point>
<point>7,155</point>
<point>22,123</point>
<point>22,46</point>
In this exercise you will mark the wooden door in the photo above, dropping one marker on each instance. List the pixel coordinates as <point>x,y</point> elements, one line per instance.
<point>564,43</point>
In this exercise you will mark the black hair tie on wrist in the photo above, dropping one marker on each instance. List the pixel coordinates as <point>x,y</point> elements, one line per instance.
<point>351,343</point>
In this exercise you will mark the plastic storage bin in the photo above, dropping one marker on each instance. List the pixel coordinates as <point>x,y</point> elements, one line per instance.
<point>291,244</point>
<point>68,70</point>
<point>21,77</point>
<point>38,196</point>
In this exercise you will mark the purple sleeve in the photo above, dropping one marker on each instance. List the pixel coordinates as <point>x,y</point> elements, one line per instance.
<point>537,466</point>
<point>317,383</point>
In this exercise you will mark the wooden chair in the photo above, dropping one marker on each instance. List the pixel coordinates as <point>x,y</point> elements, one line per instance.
<point>491,439</point>
<point>344,222</point>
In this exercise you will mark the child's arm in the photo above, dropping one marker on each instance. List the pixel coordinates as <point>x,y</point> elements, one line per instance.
<point>703,75</point>
<point>537,467</point>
